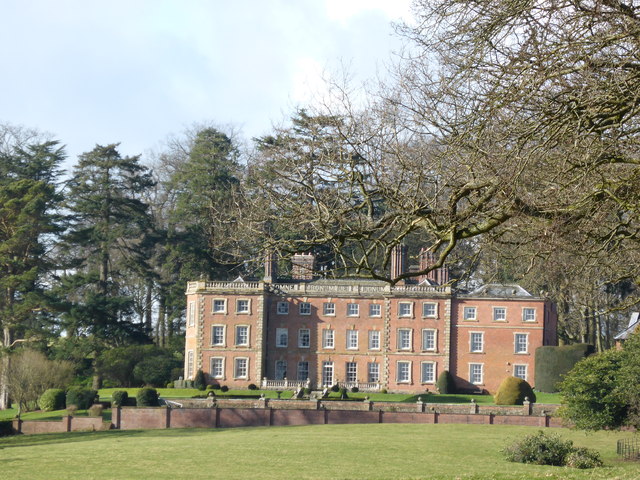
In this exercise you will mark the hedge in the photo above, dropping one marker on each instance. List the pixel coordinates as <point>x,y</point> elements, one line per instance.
<point>552,363</point>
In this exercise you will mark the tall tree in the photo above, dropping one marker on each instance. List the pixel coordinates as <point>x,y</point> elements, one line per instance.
<point>29,199</point>
<point>106,246</point>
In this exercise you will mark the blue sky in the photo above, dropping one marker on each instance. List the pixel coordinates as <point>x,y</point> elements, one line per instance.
<point>136,71</point>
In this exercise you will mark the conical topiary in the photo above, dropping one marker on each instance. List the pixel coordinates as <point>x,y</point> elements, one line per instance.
<point>513,391</point>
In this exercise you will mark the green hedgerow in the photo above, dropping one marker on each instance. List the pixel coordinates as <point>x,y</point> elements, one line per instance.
<point>81,397</point>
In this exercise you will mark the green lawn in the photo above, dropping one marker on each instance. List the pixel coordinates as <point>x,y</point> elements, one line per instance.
<point>311,452</point>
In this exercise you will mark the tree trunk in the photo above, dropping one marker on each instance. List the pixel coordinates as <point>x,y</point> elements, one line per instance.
<point>7,340</point>
<point>148,310</point>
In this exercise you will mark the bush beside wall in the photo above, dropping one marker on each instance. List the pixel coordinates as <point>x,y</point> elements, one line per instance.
<point>552,363</point>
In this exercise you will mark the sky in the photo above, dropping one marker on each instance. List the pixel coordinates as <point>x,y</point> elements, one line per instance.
<point>138,71</point>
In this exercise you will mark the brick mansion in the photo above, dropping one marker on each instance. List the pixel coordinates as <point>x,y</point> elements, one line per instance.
<point>317,332</point>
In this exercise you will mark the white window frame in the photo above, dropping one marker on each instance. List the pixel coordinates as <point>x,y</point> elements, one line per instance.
<point>282,333</point>
<point>301,337</point>
<point>499,317</point>
<point>299,371</point>
<point>405,309</point>
<point>190,364</point>
<point>525,316</point>
<point>517,343</point>
<point>236,372</point>
<point>219,306</point>
<point>328,374</point>
<point>192,314</point>
<point>280,370</point>
<point>329,309</point>
<point>282,308</point>
<point>425,336</point>
<point>374,339</point>
<point>353,310</point>
<point>401,337</point>
<point>432,378</point>
<point>467,313</point>
<point>328,338</point>
<point>521,366</point>
<point>351,372</point>
<point>352,339</point>
<point>479,370</point>
<point>373,308</point>
<point>212,363</point>
<point>213,335</point>
<point>246,306</point>
<point>433,314</point>
<point>406,369</point>
<point>237,337</point>
<point>473,345</point>
<point>373,372</point>
<point>304,308</point>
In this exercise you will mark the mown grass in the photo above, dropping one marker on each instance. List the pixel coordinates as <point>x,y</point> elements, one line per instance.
<point>388,451</point>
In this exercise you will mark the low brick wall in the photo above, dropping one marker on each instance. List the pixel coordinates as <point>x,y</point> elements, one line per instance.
<point>229,413</point>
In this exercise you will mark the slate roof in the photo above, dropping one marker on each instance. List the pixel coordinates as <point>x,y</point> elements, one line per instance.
<point>634,323</point>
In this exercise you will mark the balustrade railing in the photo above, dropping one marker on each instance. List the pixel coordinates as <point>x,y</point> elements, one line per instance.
<point>284,384</point>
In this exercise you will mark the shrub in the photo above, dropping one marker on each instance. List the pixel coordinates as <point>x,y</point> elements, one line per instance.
<point>215,386</point>
<point>307,391</point>
<point>81,397</point>
<point>95,410</point>
<point>384,391</point>
<point>52,399</point>
<point>335,388</point>
<point>119,398</point>
<point>147,397</point>
<point>355,389</point>
<point>199,381</point>
<point>540,449</point>
<point>512,391</point>
<point>445,383</point>
<point>224,388</point>
<point>72,409</point>
<point>169,384</point>
<point>343,394</point>
<point>6,428</point>
<point>584,458</point>
<point>552,363</point>
<point>252,386</point>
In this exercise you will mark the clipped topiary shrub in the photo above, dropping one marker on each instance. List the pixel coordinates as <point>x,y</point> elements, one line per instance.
<point>355,389</point>
<point>252,386</point>
<point>335,388</point>
<point>169,384</point>
<point>147,397</point>
<point>307,391</point>
<point>343,394</point>
<point>81,397</point>
<point>224,388</point>
<point>6,428</point>
<point>384,391</point>
<point>52,399</point>
<point>200,381</point>
<point>95,410</point>
<point>552,363</point>
<point>445,383</point>
<point>512,391</point>
<point>119,398</point>
<point>215,386</point>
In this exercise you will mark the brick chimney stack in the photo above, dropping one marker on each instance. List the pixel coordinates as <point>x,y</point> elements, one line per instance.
<point>270,268</point>
<point>302,266</point>
<point>440,275</point>
<point>398,261</point>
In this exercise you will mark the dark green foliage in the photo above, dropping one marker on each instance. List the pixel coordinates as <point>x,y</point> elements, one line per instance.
<point>215,386</point>
<point>355,389</point>
<point>169,385</point>
<point>52,399</point>
<point>513,391</point>
<point>137,365</point>
<point>335,388</point>
<point>307,391</point>
<point>81,397</point>
<point>445,383</point>
<point>119,397</point>
<point>155,371</point>
<point>552,363</point>
<point>95,410</point>
<point>147,397</point>
<point>384,390</point>
<point>252,386</point>
<point>224,388</point>
<point>6,428</point>
<point>343,394</point>
<point>539,449</point>
<point>594,396</point>
<point>200,382</point>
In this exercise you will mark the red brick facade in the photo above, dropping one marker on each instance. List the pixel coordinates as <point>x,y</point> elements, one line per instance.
<point>363,333</point>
